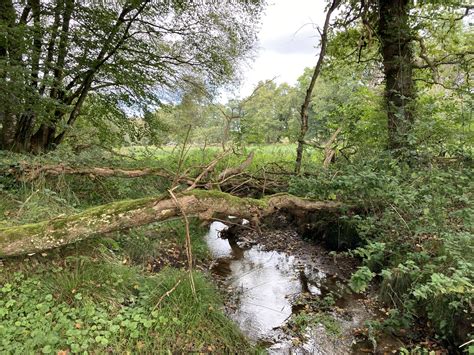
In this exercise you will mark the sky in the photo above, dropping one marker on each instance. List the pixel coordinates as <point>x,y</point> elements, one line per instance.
<point>287,44</point>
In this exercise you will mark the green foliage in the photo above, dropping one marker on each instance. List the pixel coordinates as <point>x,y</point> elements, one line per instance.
<point>361,278</point>
<point>269,115</point>
<point>86,298</point>
<point>304,320</point>
<point>345,98</point>
<point>417,228</point>
<point>121,56</point>
<point>114,311</point>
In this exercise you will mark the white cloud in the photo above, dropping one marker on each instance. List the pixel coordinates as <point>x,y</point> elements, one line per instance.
<point>288,42</point>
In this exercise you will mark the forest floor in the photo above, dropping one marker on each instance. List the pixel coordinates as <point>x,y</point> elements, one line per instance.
<point>127,292</point>
<point>130,291</point>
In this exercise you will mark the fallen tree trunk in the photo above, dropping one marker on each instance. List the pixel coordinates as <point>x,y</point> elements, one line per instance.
<point>231,180</point>
<point>30,173</point>
<point>33,238</point>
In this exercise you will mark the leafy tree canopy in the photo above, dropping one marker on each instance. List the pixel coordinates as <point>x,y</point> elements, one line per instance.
<point>54,54</point>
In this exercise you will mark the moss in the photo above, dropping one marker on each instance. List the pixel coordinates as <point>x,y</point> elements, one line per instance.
<point>10,234</point>
<point>278,194</point>
<point>119,206</point>
<point>232,200</point>
<point>59,231</point>
<point>109,209</point>
<point>59,226</point>
<point>212,194</point>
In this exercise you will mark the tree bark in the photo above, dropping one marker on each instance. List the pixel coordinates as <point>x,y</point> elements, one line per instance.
<point>27,120</point>
<point>396,49</point>
<point>33,238</point>
<point>238,169</point>
<point>44,138</point>
<point>28,173</point>
<point>309,91</point>
<point>7,118</point>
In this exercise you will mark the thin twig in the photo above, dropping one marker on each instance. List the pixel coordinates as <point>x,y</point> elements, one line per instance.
<point>26,201</point>
<point>399,215</point>
<point>208,169</point>
<point>166,294</point>
<point>181,157</point>
<point>189,252</point>
<point>466,343</point>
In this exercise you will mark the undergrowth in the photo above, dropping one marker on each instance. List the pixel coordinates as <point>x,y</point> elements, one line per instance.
<point>416,223</point>
<point>417,228</point>
<point>100,296</point>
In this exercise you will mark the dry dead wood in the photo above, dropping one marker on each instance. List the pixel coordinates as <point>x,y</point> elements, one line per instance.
<point>237,170</point>
<point>29,173</point>
<point>232,182</point>
<point>329,151</point>
<point>207,170</point>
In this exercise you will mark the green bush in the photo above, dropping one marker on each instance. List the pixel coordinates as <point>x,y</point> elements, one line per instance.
<point>417,225</point>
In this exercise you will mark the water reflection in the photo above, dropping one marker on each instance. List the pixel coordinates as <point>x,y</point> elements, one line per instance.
<point>266,282</point>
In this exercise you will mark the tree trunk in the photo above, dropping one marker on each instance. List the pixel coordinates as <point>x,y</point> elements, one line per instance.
<point>43,139</point>
<point>33,238</point>
<point>7,133</point>
<point>309,91</point>
<point>24,131</point>
<point>396,49</point>
<point>7,118</point>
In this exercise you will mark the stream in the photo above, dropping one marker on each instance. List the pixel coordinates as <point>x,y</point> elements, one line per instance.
<point>264,282</point>
<point>263,285</point>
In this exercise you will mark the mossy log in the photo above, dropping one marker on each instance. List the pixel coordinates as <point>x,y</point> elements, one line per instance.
<point>33,238</point>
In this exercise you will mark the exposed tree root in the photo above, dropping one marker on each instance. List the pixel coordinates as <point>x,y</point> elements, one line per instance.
<point>32,238</point>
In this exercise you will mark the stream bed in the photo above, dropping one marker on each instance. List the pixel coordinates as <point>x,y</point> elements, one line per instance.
<point>263,286</point>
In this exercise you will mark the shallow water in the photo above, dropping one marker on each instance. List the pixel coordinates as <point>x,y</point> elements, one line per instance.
<point>266,283</point>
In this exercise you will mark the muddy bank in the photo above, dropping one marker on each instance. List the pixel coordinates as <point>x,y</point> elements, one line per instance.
<point>289,294</point>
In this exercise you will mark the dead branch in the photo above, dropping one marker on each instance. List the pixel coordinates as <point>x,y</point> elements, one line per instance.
<point>28,173</point>
<point>207,170</point>
<point>166,294</point>
<point>237,170</point>
<point>182,156</point>
<point>189,252</point>
<point>329,152</point>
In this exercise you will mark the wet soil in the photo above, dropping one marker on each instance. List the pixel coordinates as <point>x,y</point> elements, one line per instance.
<point>289,294</point>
